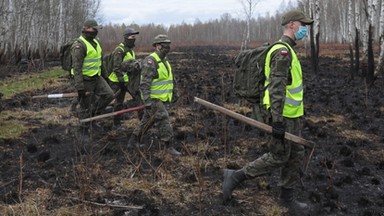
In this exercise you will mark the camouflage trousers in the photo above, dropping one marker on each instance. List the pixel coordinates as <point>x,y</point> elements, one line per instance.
<point>156,115</point>
<point>282,154</point>
<point>119,100</point>
<point>99,98</point>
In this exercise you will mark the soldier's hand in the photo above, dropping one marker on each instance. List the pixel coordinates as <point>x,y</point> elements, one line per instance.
<point>122,86</point>
<point>148,103</point>
<point>81,94</point>
<point>278,130</point>
<point>175,97</point>
<point>137,67</point>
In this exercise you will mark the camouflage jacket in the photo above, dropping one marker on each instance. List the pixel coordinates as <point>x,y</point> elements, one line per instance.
<point>118,57</point>
<point>280,77</point>
<point>78,52</point>
<point>149,73</point>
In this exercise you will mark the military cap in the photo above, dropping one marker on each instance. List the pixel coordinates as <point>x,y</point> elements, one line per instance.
<point>295,15</point>
<point>161,38</point>
<point>92,23</point>
<point>129,32</point>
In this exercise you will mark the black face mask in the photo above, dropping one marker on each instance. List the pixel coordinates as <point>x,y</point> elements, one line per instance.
<point>130,43</point>
<point>90,35</point>
<point>165,48</point>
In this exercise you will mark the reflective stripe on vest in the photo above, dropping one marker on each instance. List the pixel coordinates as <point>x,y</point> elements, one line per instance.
<point>162,87</point>
<point>128,55</point>
<point>92,60</point>
<point>293,105</point>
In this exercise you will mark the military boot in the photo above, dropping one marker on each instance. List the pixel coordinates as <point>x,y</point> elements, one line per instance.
<point>171,149</point>
<point>133,142</point>
<point>232,178</point>
<point>289,200</point>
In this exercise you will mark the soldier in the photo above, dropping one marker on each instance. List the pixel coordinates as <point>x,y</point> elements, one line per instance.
<point>122,77</point>
<point>94,93</point>
<point>157,88</point>
<point>283,100</point>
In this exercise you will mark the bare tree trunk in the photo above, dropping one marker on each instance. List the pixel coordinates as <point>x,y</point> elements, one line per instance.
<point>315,33</point>
<point>357,36</point>
<point>249,9</point>
<point>371,29</point>
<point>380,65</point>
<point>350,29</point>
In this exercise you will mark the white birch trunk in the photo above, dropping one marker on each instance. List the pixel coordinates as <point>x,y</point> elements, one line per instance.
<point>380,65</point>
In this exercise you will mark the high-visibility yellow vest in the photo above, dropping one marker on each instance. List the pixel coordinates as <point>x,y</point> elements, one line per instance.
<point>128,55</point>
<point>92,60</point>
<point>162,87</point>
<point>293,105</point>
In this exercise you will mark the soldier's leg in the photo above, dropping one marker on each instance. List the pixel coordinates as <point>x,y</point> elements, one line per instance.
<point>104,92</point>
<point>86,103</point>
<point>290,172</point>
<point>164,126</point>
<point>146,122</point>
<point>118,104</point>
<point>278,155</point>
<point>133,89</point>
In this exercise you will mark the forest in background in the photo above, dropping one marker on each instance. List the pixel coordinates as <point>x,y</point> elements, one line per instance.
<point>35,29</point>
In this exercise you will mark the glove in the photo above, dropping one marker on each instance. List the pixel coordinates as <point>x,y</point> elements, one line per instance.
<point>137,67</point>
<point>122,86</point>
<point>278,130</point>
<point>148,103</point>
<point>175,97</point>
<point>81,94</point>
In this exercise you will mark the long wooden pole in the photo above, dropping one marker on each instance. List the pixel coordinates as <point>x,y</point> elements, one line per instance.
<point>59,95</point>
<point>260,125</point>
<point>112,114</point>
<point>67,95</point>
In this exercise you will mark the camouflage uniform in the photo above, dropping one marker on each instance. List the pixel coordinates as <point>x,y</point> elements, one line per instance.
<point>157,87</point>
<point>283,154</point>
<point>125,74</point>
<point>132,86</point>
<point>101,94</point>
<point>155,112</point>
<point>283,99</point>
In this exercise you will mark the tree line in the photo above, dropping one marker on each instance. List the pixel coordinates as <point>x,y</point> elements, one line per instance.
<point>35,29</point>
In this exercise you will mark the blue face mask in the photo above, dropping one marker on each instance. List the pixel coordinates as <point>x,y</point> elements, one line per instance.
<point>301,33</point>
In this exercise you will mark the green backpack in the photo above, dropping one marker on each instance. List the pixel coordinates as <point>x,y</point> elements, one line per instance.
<point>249,75</point>
<point>108,60</point>
<point>65,54</point>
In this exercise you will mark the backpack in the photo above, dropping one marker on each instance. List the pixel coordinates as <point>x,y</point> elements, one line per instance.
<point>65,54</point>
<point>249,75</point>
<point>108,60</point>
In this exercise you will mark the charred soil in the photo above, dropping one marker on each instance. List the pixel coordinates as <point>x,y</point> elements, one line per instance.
<point>58,169</point>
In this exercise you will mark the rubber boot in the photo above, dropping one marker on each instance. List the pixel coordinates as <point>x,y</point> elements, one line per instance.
<point>289,200</point>
<point>232,178</point>
<point>171,149</point>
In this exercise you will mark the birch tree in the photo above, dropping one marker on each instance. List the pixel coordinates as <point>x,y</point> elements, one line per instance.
<point>315,34</point>
<point>380,64</point>
<point>350,37</point>
<point>357,36</point>
<point>249,9</point>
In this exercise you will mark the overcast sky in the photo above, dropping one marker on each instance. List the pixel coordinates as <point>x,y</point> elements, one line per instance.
<point>167,12</point>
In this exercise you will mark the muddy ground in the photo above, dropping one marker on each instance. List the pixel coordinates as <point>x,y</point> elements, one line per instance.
<point>56,169</point>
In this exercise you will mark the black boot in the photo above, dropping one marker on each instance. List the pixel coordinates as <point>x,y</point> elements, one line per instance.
<point>289,200</point>
<point>171,149</point>
<point>133,142</point>
<point>232,178</point>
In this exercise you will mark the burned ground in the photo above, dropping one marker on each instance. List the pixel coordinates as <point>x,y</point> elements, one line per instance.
<point>56,169</point>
